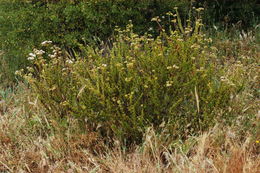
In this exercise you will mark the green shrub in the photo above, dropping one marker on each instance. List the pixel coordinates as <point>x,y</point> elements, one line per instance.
<point>172,82</point>
<point>18,34</point>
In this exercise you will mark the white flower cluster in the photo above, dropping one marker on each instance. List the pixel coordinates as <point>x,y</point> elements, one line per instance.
<point>38,52</point>
<point>35,53</point>
<point>56,52</point>
<point>31,57</point>
<point>46,43</point>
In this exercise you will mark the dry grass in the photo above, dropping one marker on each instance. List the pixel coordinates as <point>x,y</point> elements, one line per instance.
<point>205,156</point>
<point>26,146</point>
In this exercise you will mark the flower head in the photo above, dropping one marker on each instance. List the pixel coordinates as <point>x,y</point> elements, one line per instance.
<point>45,43</point>
<point>30,58</point>
<point>32,55</point>
<point>39,52</point>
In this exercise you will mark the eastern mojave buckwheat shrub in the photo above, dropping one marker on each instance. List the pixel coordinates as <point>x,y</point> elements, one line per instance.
<point>172,83</point>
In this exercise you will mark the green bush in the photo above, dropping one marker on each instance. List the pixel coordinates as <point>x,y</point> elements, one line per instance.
<point>18,34</point>
<point>69,24</point>
<point>172,82</point>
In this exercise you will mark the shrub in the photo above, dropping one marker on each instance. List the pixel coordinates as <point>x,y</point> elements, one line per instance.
<point>172,82</point>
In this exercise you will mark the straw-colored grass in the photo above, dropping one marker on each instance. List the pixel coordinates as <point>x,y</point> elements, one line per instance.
<point>27,146</point>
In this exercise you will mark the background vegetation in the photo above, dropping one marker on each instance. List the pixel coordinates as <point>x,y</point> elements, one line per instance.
<point>225,13</point>
<point>71,24</point>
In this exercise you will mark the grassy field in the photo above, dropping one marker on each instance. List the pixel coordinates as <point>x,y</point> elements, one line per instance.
<point>185,100</point>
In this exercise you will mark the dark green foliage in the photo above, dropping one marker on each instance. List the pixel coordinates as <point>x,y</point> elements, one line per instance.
<point>242,13</point>
<point>69,24</point>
